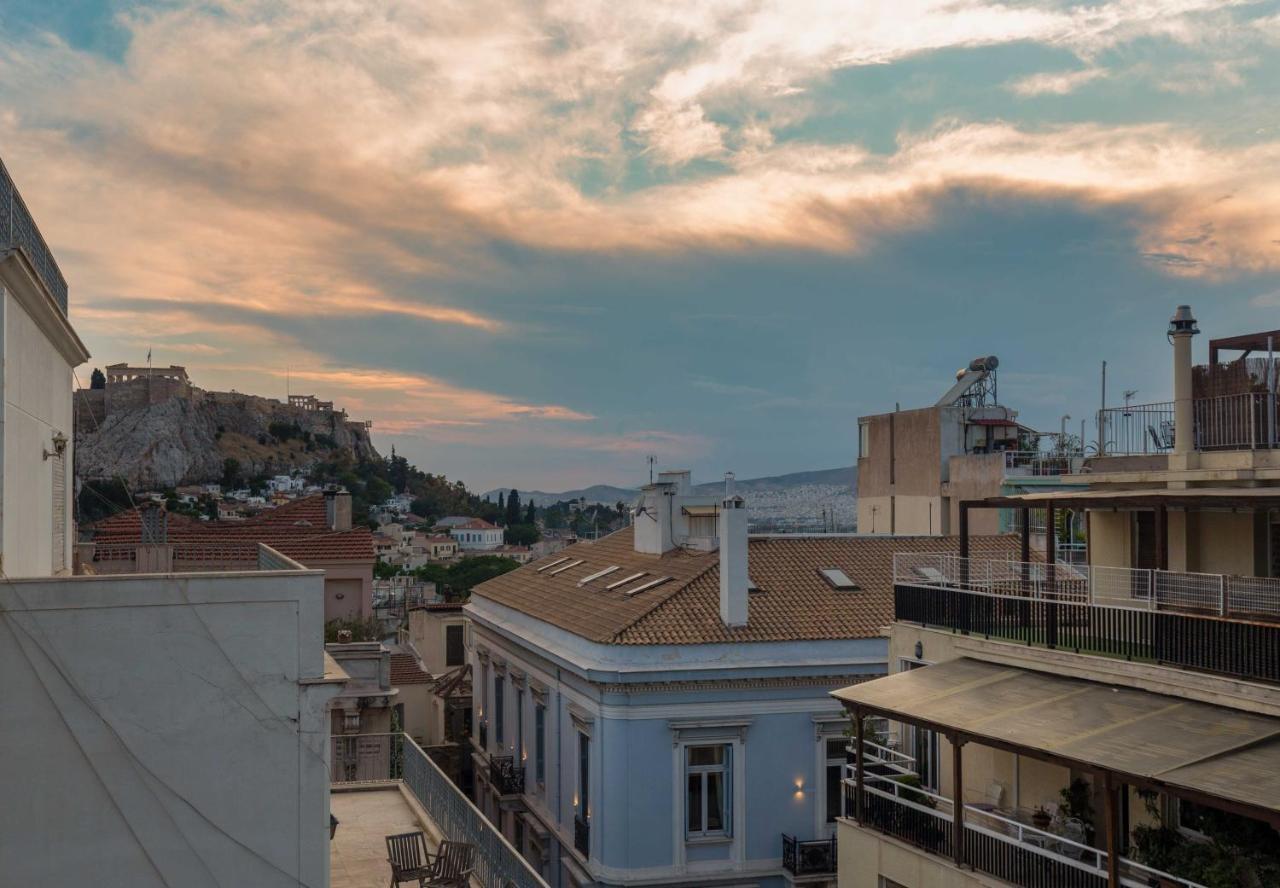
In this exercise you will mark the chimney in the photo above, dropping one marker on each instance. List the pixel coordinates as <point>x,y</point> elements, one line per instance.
<point>734,582</point>
<point>337,508</point>
<point>1182,326</point>
<point>653,518</point>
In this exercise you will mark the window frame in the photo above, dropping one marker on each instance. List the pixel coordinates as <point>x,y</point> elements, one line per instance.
<point>704,773</point>
<point>455,636</point>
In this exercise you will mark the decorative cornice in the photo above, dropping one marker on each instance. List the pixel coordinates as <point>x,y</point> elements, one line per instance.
<point>517,676</point>
<point>582,720</point>
<point>815,681</point>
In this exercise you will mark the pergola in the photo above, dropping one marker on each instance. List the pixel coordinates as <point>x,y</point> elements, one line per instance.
<point>1211,755</point>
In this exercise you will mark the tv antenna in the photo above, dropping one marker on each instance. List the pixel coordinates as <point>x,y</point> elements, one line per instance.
<point>651,459</point>
<point>1128,397</point>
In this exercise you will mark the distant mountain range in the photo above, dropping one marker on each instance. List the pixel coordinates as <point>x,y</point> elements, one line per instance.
<point>846,478</point>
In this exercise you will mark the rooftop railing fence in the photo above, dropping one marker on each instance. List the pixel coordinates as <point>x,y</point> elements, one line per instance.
<point>18,230</point>
<point>1227,422</point>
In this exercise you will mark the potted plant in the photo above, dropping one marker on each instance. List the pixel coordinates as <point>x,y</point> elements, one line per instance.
<point>1041,818</point>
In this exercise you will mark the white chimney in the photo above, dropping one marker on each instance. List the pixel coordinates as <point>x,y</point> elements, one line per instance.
<point>653,518</point>
<point>734,582</point>
<point>681,479</point>
<point>1182,326</point>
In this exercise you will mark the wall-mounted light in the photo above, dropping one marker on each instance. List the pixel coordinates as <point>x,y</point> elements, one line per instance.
<point>59,446</point>
<point>799,787</point>
<point>919,650</point>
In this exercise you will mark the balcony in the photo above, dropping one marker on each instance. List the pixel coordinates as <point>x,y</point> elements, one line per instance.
<point>506,776</point>
<point>816,857</point>
<point>999,844</point>
<point>185,557</point>
<point>395,761</point>
<point>18,231</point>
<point>1207,622</point>
<point>1227,422</point>
<point>1041,463</point>
<point>582,836</point>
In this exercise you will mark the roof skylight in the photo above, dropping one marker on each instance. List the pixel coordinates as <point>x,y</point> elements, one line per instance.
<point>597,575</point>
<point>625,580</point>
<point>649,585</point>
<point>565,567</point>
<point>838,579</point>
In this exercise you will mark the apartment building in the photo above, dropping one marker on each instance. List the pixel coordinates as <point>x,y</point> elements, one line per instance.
<point>1106,724</point>
<point>653,707</point>
<point>915,466</point>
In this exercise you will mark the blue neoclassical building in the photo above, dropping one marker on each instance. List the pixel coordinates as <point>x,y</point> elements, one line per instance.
<point>653,708</point>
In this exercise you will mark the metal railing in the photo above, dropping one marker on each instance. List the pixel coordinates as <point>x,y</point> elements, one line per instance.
<point>995,842</point>
<point>383,757</point>
<point>1146,616</point>
<point>808,857</point>
<point>182,557</point>
<point>18,229</point>
<point>1041,463</point>
<point>1227,422</point>
<point>506,776</point>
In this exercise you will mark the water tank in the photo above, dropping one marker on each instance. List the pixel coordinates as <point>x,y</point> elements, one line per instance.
<point>989,363</point>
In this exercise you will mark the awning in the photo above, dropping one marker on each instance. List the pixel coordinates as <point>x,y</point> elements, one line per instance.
<point>1214,753</point>
<point>700,511</point>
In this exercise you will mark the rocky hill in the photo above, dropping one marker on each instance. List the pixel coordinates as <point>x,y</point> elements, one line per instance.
<point>186,438</point>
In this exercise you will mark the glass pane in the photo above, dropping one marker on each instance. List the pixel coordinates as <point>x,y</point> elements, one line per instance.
<point>715,801</point>
<point>706,755</point>
<point>693,803</point>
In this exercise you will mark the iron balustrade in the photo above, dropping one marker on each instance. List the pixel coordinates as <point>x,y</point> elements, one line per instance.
<point>1041,463</point>
<point>810,857</point>
<point>384,757</point>
<point>506,775</point>
<point>1208,644</point>
<point>1245,421</point>
<point>18,230</point>
<point>994,843</point>
<point>582,836</point>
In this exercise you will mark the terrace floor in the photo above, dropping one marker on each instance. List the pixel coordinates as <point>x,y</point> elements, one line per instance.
<point>358,852</point>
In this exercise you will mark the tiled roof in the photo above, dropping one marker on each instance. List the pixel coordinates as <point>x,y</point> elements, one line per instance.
<point>405,670</point>
<point>298,529</point>
<point>794,602</point>
<point>475,524</point>
<point>455,683</point>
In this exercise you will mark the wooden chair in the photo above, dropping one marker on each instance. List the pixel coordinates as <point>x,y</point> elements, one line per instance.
<point>451,866</point>
<point>407,854</point>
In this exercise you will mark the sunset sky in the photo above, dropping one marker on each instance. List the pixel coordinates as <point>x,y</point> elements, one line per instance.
<point>535,242</point>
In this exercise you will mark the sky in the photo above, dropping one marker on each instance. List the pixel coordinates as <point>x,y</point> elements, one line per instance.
<point>537,242</point>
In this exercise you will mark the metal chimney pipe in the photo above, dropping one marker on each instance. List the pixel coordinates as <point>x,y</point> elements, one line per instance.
<point>728,484</point>
<point>1182,326</point>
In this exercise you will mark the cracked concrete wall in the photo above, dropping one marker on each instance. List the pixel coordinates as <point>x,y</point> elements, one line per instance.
<point>164,731</point>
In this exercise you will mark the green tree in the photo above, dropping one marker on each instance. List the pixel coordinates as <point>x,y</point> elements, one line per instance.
<point>230,473</point>
<point>521,534</point>
<point>530,514</point>
<point>512,514</point>
<point>97,380</point>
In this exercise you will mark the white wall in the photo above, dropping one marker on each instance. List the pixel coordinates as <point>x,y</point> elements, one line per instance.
<point>37,404</point>
<point>164,730</point>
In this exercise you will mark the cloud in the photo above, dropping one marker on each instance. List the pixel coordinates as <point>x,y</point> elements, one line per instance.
<point>1057,83</point>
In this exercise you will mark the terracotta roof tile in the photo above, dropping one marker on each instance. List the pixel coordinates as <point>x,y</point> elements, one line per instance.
<point>794,601</point>
<point>405,670</point>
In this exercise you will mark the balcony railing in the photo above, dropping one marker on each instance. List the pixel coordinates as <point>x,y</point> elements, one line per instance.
<point>383,757</point>
<point>1227,422</point>
<point>995,843</point>
<point>181,557</point>
<point>506,775</point>
<point>808,858</point>
<point>1038,463</point>
<point>582,836</point>
<point>1207,622</point>
<point>18,229</point>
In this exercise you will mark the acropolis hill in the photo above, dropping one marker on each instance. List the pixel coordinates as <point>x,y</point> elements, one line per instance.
<point>151,427</point>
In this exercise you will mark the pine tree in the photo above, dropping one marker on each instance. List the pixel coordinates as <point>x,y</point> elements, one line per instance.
<point>513,507</point>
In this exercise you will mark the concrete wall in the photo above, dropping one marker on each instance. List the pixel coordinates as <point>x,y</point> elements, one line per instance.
<point>1199,542</point>
<point>974,476</point>
<point>354,583</point>
<point>900,477</point>
<point>427,630</point>
<point>37,405</point>
<point>164,731</point>
<point>866,856</point>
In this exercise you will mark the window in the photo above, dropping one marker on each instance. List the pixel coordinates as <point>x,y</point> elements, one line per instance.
<point>584,783</point>
<point>484,691</point>
<point>707,790</point>
<point>836,758</point>
<point>864,439</point>
<point>499,711</point>
<point>837,578</point>
<point>922,744</point>
<point>520,727</point>
<point>454,651</point>
<point>540,743</point>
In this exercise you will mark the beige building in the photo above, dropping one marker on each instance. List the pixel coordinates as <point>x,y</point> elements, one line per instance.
<point>1106,724</point>
<point>916,466</point>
